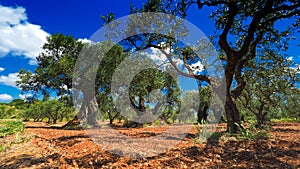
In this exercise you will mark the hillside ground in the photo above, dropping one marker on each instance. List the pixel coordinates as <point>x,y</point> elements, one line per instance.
<point>57,148</point>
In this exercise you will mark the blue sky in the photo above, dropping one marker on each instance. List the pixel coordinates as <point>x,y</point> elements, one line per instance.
<point>24,24</point>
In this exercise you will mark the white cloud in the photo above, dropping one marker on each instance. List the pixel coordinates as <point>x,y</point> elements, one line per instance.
<point>290,58</point>
<point>10,79</point>
<point>5,97</point>
<point>161,59</point>
<point>85,40</point>
<point>18,36</point>
<point>156,55</point>
<point>2,69</point>
<point>24,96</point>
<point>295,69</point>
<point>197,67</point>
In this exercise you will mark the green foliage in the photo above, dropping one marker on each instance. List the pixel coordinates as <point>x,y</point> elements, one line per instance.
<point>188,107</point>
<point>251,132</point>
<point>202,131</point>
<point>243,29</point>
<point>286,120</point>
<point>55,67</point>
<point>11,127</point>
<point>17,140</point>
<point>53,110</point>
<point>157,123</point>
<point>270,89</point>
<point>18,103</point>
<point>9,112</point>
<point>291,104</point>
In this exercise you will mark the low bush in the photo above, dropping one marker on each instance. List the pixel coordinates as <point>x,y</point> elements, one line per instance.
<point>11,127</point>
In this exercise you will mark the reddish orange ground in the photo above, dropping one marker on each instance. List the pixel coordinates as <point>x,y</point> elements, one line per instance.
<point>55,148</point>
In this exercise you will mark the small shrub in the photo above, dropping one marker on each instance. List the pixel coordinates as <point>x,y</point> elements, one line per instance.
<point>11,127</point>
<point>253,133</point>
<point>203,132</point>
<point>157,123</point>
<point>146,125</point>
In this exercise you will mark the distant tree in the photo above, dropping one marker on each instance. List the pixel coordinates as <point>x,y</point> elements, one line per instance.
<point>107,107</point>
<point>291,105</point>
<point>189,106</point>
<point>34,111</point>
<point>18,103</point>
<point>269,81</point>
<point>153,86</point>
<point>205,95</point>
<point>173,100</point>
<point>56,110</point>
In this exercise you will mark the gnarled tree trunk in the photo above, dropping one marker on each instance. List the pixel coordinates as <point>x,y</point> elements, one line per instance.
<point>88,111</point>
<point>202,114</point>
<point>232,112</point>
<point>232,115</point>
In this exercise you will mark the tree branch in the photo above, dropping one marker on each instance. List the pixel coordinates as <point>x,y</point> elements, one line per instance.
<point>191,75</point>
<point>211,3</point>
<point>233,11</point>
<point>285,7</point>
<point>253,26</point>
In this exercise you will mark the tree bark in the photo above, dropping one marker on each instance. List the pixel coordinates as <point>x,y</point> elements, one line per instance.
<point>231,110</point>
<point>232,115</point>
<point>260,116</point>
<point>111,117</point>
<point>88,111</point>
<point>202,113</point>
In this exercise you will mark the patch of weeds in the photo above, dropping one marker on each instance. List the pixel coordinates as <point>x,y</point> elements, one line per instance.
<point>202,133</point>
<point>286,120</point>
<point>78,126</point>
<point>17,140</point>
<point>11,127</point>
<point>253,133</point>
<point>73,127</point>
<point>146,125</point>
<point>157,123</point>
<point>216,135</point>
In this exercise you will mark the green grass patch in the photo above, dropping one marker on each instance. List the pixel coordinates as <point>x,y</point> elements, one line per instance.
<point>286,120</point>
<point>11,127</point>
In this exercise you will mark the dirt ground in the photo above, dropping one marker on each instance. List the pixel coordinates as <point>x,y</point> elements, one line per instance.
<point>56,148</point>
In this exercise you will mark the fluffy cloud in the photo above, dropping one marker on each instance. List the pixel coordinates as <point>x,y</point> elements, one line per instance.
<point>1,69</point>
<point>24,96</point>
<point>290,58</point>
<point>85,40</point>
<point>5,97</point>
<point>161,59</point>
<point>10,79</point>
<point>197,67</point>
<point>18,36</point>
